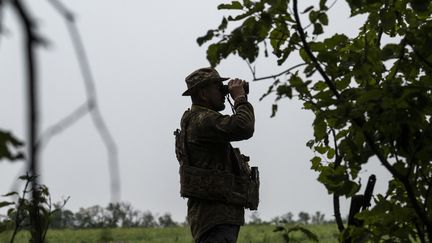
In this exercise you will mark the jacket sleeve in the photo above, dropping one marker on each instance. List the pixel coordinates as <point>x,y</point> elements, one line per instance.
<point>239,126</point>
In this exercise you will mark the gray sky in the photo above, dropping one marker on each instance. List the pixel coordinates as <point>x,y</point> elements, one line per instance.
<point>140,52</point>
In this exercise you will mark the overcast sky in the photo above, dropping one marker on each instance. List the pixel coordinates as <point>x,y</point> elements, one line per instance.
<point>140,52</point>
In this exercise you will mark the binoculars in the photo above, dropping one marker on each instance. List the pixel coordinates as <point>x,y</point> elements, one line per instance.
<point>225,91</point>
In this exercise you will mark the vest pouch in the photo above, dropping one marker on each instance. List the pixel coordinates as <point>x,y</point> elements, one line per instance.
<point>205,184</point>
<point>220,186</point>
<point>253,190</point>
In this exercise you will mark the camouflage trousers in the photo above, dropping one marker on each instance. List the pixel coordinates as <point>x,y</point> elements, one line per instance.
<point>222,233</point>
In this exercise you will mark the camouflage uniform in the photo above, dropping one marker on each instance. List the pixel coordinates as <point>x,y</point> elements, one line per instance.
<point>208,140</point>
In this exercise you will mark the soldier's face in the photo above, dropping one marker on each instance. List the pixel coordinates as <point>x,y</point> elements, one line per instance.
<point>215,98</point>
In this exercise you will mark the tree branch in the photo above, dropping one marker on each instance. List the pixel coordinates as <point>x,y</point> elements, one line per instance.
<point>336,205</point>
<point>421,213</point>
<point>329,83</point>
<point>279,74</point>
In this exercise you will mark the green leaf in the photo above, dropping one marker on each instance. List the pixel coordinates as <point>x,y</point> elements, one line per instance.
<point>343,83</point>
<point>307,9</point>
<point>420,5</point>
<point>223,24</point>
<point>213,54</point>
<point>5,204</point>
<point>318,29</point>
<point>322,5</point>
<point>323,18</point>
<point>331,153</point>
<point>284,90</point>
<point>304,55</point>
<point>336,40</point>
<point>321,149</point>
<point>320,85</point>
<point>390,51</point>
<point>313,16</point>
<point>232,5</point>
<point>310,143</point>
<point>320,127</point>
<point>201,40</point>
<point>10,147</point>
<point>317,46</point>
<point>10,194</point>
<point>316,163</point>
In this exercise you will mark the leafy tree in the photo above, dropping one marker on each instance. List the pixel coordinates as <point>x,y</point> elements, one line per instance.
<point>287,218</point>
<point>92,217</point>
<point>114,215</point>
<point>62,218</point>
<point>318,218</point>
<point>371,95</point>
<point>304,217</point>
<point>131,216</point>
<point>166,221</point>
<point>148,220</point>
<point>283,219</point>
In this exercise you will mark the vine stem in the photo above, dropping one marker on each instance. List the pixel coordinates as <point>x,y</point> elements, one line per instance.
<point>30,43</point>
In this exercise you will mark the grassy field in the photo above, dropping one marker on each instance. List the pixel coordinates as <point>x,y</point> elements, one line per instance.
<point>248,234</point>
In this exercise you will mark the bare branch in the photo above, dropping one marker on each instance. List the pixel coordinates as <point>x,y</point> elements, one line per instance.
<point>279,74</point>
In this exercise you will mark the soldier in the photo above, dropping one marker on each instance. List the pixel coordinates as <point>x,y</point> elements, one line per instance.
<point>214,176</point>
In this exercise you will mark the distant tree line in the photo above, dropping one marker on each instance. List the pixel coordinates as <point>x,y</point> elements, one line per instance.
<point>112,216</point>
<point>288,218</point>
<point>123,214</point>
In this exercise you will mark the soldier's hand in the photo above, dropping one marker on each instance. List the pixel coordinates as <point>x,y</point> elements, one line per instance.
<point>236,88</point>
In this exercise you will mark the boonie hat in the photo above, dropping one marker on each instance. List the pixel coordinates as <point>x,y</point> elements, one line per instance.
<point>200,78</point>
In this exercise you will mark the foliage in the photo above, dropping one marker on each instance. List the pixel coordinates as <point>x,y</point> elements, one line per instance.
<point>166,221</point>
<point>371,95</point>
<point>304,217</point>
<point>19,212</point>
<point>318,218</point>
<point>10,147</point>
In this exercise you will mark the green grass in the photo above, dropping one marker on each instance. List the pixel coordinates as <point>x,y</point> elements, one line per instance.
<point>248,234</point>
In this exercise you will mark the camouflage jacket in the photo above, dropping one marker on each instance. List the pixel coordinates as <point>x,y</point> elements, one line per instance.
<point>209,134</point>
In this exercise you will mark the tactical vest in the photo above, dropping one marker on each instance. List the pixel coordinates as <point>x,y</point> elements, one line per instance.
<point>216,185</point>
